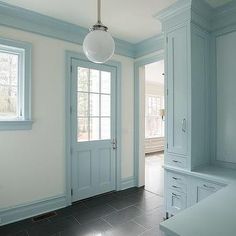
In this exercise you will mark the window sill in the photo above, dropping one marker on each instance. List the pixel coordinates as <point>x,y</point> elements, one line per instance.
<point>16,124</point>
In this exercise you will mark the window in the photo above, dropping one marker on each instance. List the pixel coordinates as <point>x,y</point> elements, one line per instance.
<point>154,125</point>
<point>93,105</point>
<point>15,85</point>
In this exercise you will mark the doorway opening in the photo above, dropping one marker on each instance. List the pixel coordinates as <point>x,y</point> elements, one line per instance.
<point>150,123</point>
<point>154,127</point>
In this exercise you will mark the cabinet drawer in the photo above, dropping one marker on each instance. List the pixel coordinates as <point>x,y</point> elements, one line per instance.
<point>203,189</point>
<point>176,161</point>
<point>176,201</point>
<point>176,182</point>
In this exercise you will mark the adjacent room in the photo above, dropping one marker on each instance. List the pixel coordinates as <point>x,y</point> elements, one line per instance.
<point>154,142</point>
<point>117,118</point>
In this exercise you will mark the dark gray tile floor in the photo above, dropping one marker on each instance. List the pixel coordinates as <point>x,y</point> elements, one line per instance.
<point>130,212</point>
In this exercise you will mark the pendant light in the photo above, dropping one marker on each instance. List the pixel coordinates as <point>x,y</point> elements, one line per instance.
<point>98,45</point>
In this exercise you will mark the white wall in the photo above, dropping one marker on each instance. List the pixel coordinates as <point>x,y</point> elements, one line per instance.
<point>32,163</point>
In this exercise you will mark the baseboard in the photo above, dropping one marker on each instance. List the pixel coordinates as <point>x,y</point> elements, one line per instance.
<point>17,213</point>
<point>128,182</point>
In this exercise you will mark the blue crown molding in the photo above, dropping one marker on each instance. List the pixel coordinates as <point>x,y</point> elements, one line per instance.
<point>30,21</point>
<point>173,10</point>
<point>224,16</point>
<point>20,18</point>
<point>149,45</point>
<point>196,11</point>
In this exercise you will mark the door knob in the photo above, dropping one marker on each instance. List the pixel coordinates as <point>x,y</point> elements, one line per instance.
<point>114,144</point>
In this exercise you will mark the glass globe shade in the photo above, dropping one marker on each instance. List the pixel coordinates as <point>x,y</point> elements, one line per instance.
<point>98,46</point>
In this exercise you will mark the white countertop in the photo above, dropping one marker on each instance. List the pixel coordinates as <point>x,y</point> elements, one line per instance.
<point>213,216</point>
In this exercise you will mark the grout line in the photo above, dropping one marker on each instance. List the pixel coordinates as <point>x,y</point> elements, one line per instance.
<point>76,220</point>
<point>133,220</point>
<point>108,223</point>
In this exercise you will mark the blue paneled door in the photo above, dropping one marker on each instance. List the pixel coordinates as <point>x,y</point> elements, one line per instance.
<point>93,129</point>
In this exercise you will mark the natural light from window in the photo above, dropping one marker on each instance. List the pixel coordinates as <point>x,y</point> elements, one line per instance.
<point>93,105</point>
<point>9,86</point>
<point>154,100</point>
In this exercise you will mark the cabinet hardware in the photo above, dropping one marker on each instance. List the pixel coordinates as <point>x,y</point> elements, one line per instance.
<point>207,186</point>
<point>176,195</point>
<point>174,186</point>
<point>176,161</point>
<point>184,125</point>
<point>175,178</point>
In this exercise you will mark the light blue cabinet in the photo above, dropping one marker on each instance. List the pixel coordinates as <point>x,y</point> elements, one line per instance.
<point>177,91</point>
<point>200,189</point>
<point>186,66</point>
<point>185,190</point>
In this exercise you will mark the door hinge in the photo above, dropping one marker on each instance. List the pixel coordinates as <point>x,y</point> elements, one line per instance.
<point>167,39</point>
<point>167,92</point>
<point>71,151</point>
<point>71,191</point>
<point>71,110</point>
<point>71,69</point>
<point>167,145</point>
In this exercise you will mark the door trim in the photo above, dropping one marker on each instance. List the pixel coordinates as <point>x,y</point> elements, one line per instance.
<point>138,145</point>
<point>68,160</point>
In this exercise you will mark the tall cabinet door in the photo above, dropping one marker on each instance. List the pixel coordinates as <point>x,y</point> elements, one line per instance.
<point>177,84</point>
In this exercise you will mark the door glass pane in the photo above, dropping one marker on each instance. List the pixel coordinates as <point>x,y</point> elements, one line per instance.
<point>83,76</point>
<point>82,106</point>
<point>82,129</point>
<point>105,128</point>
<point>94,81</point>
<point>94,129</point>
<point>94,104</point>
<point>105,82</point>
<point>105,105</point>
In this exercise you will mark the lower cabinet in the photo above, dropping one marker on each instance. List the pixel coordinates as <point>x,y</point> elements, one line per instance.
<point>201,189</point>
<point>176,192</point>
<point>182,191</point>
<point>176,201</point>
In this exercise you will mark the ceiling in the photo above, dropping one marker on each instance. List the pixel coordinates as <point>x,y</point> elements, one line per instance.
<point>130,20</point>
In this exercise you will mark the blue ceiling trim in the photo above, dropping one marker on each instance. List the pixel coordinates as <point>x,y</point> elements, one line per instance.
<point>20,18</point>
<point>30,21</point>
<point>149,45</point>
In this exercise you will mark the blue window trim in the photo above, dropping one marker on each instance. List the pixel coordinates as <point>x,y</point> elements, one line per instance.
<point>26,122</point>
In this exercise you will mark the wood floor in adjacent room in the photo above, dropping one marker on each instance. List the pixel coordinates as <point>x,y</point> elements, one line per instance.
<point>154,173</point>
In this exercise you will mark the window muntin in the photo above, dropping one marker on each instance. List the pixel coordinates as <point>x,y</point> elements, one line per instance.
<point>154,125</point>
<point>93,105</point>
